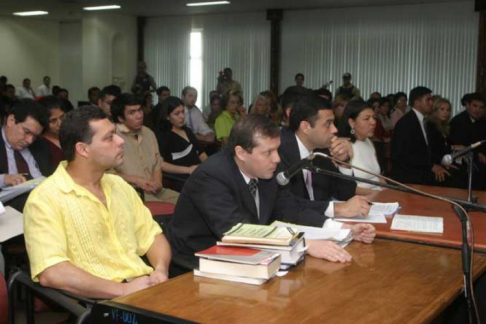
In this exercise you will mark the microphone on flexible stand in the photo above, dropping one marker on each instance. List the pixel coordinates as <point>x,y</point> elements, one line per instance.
<point>449,158</point>
<point>467,226</point>
<point>283,178</point>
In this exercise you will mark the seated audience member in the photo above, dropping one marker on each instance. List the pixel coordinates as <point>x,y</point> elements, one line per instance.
<point>311,128</point>
<point>437,127</point>
<point>384,117</point>
<point>275,113</point>
<point>148,108</point>
<point>338,106</point>
<point>22,157</point>
<point>10,92</point>
<point>260,106</point>
<point>194,118</point>
<point>180,149</point>
<point>63,94</point>
<point>215,106</point>
<point>238,185</point>
<point>45,89</point>
<point>163,93</point>
<point>469,127</point>
<point>142,164</point>
<point>107,95</point>
<point>26,91</point>
<point>86,230</point>
<point>56,112</point>
<point>207,109</point>
<point>225,121</point>
<point>287,100</point>
<point>410,151</point>
<point>400,108</point>
<point>375,95</point>
<point>360,127</point>
<point>94,95</point>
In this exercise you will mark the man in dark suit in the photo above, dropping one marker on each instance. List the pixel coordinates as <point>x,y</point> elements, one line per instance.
<point>410,153</point>
<point>468,128</point>
<point>238,186</point>
<point>21,156</point>
<point>311,128</point>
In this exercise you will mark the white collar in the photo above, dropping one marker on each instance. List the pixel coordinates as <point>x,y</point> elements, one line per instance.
<point>419,115</point>
<point>304,152</point>
<point>245,177</point>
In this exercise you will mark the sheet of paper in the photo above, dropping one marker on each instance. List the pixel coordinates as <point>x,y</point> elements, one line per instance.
<point>318,233</point>
<point>384,208</point>
<point>370,218</point>
<point>9,193</point>
<point>11,224</point>
<point>424,224</point>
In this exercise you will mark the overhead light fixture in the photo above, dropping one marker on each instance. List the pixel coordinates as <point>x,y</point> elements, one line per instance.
<point>212,3</point>
<point>30,13</point>
<point>102,7</point>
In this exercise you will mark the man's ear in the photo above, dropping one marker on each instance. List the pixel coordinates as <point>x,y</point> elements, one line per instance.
<point>10,120</point>
<point>241,153</point>
<point>82,149</point>
<point>304,126</point>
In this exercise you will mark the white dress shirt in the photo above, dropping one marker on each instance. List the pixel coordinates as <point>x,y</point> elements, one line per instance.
<point>421,121</point>
<point>195,121</point>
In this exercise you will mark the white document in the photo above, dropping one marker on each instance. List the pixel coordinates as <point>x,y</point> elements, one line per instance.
<point>11,224</point>
<point>319,233</point>
<point>9,193</point>
<point>384,208</point>
<point>370,218</point>
<point>418,224</point>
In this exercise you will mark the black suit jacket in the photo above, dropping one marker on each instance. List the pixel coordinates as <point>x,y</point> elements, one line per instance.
<point>324,187</point>
<point>410,155</point>
<point>39,150</point>
<point>465,132</point>
<point>216,197</point>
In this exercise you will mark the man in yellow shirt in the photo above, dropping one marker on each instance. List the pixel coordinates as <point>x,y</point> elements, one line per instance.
<point>85,230</point>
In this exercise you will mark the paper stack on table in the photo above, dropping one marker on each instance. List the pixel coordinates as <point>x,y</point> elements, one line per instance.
<point>377,214</point>
<point>11,223</point>
<point>422,224</point>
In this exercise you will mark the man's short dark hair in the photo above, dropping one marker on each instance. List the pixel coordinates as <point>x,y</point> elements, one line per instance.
<point>186,89</point>
<point>323,92</point>
<point>3,79</point>
<point>91,90</point>
<point>475,96</point>
<point>398,95</point>
<point>50,103</point>
<point>246,131</point>
<point>299,75</point>
<point>306,109</point>
<point>417,93</point>
<point>112,90</point>
<point>75,128</point>
<point>161,89</point>
<point>26,79</point>
<point>10,86</point>
<point>29,108</point>
<point>120,103</point>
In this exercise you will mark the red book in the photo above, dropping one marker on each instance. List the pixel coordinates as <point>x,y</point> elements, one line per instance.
<point>238,255</point>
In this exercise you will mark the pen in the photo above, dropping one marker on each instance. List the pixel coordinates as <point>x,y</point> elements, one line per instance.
<point>370,203</point>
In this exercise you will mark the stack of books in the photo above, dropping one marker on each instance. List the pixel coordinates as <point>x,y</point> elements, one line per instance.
<point>237,264</point>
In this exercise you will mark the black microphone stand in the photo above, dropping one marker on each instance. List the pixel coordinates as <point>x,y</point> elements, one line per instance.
<point>465,249</point>
<point>470,167</point>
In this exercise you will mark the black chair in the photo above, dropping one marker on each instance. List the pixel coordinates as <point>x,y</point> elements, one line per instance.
<point>68,301</point>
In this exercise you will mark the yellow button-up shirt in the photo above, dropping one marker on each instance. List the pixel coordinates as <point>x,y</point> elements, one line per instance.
<point>63,221</point>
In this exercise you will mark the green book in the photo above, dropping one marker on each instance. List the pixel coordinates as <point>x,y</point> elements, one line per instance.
<point>260,234</point>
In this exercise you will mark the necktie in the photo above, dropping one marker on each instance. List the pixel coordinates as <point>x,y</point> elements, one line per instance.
<point>22,166</point>
<point>252,186</point>
<point>308,184</point>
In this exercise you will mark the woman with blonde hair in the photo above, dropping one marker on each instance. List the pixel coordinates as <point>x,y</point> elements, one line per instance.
<point>231,104</point>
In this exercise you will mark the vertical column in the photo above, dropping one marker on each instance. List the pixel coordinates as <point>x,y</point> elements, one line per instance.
<point>141,22</point>
<point>275,18</point>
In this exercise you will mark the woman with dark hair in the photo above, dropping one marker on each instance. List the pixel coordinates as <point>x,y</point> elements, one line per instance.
<point>56,109</point>
<point>437,128</point>
<point>232,101</point>
<point>360,126</point>
<point>178,145</point>
<point>400,108</point>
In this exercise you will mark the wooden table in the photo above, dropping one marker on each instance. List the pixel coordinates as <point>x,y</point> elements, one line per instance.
<point>390,281</point>
<point>423,206</point>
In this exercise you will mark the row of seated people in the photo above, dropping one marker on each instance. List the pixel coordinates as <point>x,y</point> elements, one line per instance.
<point>311,127</point>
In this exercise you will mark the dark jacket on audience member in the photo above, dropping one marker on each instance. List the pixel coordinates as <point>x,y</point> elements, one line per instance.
<point>465,132</point>
<point>216,197</point>
<point>410,155</point>
<point>40,152</point>
<point>324,187</point>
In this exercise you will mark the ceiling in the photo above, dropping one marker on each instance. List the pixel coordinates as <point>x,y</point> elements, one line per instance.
<point>73,9</point>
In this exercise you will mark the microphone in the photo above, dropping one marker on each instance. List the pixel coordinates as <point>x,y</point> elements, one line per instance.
<point>449,158</point>
<point>283,178</point>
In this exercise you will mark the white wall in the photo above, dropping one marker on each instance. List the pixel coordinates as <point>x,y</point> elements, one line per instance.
<point>386,49</point>
<point>100,33</point>
<point>71,63</point>
<point>30,49</point>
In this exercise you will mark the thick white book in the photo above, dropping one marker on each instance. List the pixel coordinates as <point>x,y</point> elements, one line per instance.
<point>423,224</point>
<point>246,280</point>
